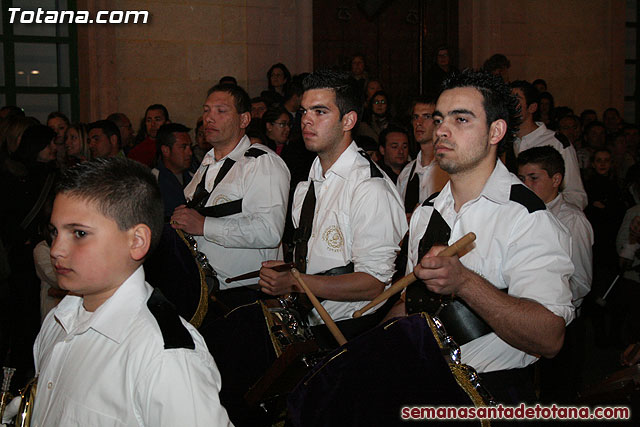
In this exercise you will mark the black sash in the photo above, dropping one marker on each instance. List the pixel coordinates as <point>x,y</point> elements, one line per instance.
<point>303,232</point>
<point>412,195</point>
<point>201,195</point>
<point>460,321</point>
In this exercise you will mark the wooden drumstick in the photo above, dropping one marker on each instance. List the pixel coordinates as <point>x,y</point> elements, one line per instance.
<point>254,274</point>
<point>326,317</point>
<point>402,283</point>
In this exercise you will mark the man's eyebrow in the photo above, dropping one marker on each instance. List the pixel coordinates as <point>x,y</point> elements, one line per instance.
<point>73,225</point>
<point>456,111</point>
<point>316,107</point>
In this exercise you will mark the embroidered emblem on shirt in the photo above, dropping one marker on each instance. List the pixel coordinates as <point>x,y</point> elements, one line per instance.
<point>220,199</point>
<point>333,236</point>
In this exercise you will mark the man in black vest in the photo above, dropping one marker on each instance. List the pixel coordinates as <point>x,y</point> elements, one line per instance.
<point>238,196</point>
<point>511,286</point>
<point>348,216</point>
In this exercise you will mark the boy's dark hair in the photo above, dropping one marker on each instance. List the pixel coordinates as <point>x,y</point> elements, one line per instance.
<point>348,96</point>
<point>108,127</point>
<point>547,157</point>
<point>240,96</point>
<point>531,94</point>
<point>165,135</point>
<point>58,115</point>
<point>229,80</point>
<point>496,62</point>
<point>497,100</point>
<point>382,138</point>
<point>122,189</point>
<point>423,99</point>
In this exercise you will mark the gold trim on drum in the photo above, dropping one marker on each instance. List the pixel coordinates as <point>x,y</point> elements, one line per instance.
<point>203,303</point>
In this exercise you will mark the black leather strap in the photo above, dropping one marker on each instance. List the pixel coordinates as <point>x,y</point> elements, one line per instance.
<point>305,226</point>
<point>201,195</point>
<point>222,210</point>
<point>412,196</point>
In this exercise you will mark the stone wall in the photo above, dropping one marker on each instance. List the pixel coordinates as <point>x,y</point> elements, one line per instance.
<point>184,49</point>
<point>577,46</point>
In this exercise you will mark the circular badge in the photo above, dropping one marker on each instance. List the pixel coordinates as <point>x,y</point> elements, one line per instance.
<point>333,236</point>
<point>220,199</point>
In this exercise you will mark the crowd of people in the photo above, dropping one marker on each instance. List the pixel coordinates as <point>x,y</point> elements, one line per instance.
<point>320,170</point>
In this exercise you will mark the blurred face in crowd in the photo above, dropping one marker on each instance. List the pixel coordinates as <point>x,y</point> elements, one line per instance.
<point>631,134</point>
<point>177,158</point>
<point>611,120</point>
<point>442,58</point>
<point>602,162</point>
<point>258,109</point>
<point>101,145</point>
<point>395,150</point>
<point>372,87</point>
<point>422,122</point>
<point>72,142</point>
<point>379,105</point>
<point>595,137</point>
<point>48,153</point>
<point>59,126</point>
<point>278,78</point>
<point>126,131</point>
<point>357,66</point>
<point>153,120</point>
<point>569,127</point>
<point>279,130</point>
<point>539,181</point>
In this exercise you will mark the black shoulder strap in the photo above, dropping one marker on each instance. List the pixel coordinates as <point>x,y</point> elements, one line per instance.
<point>303,232</point>
<point>429,201</point>
<point>563,140</point>
<point>201,195</point>
<point>527,198</point>
<point>174,333</point>
<point>412,193</point>
<point>254,152</point>
<point>375,170</point>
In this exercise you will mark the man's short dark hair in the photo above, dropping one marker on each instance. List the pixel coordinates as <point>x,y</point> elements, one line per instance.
<point>240,96</point>
<point>348,96</point>
<point>592,125</point>
<point>423,99</point>
<point>117,118</point>
<point>382,138</point>
<point>157,107</point>
<point>539,81</point>
<point>122,189</point>
<point>258,99</point>
<point>531,94</point>
<point>295,88</point>
<point>108,128</point>
<point>58,115</point>
<point>496,62</point>
<point>547,157</point>
<point>166,133</point>
<point>228,80</point>
<point>497,100</point>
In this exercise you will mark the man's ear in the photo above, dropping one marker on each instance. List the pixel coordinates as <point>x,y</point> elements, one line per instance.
<point>140,241</point>
<point>245,119</point>
<point>556,179</point>
<point>497,130</point>
<point>381,150</point>
<point>113,140</point>
<point>349,121</point>
<point>532,108</point>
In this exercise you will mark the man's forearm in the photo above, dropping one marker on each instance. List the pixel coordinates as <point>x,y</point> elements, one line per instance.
<point>356,286</point>
<point>524,324</point>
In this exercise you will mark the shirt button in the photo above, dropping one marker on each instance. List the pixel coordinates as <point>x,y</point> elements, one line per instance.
<point>49,385</point>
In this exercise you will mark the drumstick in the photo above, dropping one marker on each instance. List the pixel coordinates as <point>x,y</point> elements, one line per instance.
<point>326,317</point>
<point>254,274</point>
<point>402,283</point>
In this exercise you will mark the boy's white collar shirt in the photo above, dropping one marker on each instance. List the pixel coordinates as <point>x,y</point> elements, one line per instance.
<point>113,369</point>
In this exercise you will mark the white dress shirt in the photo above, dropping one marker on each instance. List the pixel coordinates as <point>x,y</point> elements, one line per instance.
<point>239,243</point>
<point>627,249</point>
<point>431,178</point>
<point>110,367</point>
<point>526,252</point>
<point>357,219</point>
<point>581,234</point>
<point>572,185</point>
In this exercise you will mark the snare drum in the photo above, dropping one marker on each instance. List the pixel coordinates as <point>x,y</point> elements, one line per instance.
<point>262,350</point>
<point>370,379</point>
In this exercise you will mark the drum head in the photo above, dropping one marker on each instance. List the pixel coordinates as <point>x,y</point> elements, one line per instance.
<point>367,381</point>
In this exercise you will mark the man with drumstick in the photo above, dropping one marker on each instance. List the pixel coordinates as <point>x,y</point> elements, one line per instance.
<point>514,280</point>
<point>352,214</point>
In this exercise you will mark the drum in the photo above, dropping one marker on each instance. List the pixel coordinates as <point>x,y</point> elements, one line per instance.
<point>370,379</point>
<point>182,273</point>
<point>620,387</point>
<point>262,350</point>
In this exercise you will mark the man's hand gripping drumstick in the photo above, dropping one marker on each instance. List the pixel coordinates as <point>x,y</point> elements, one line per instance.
<point>402,283</point>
